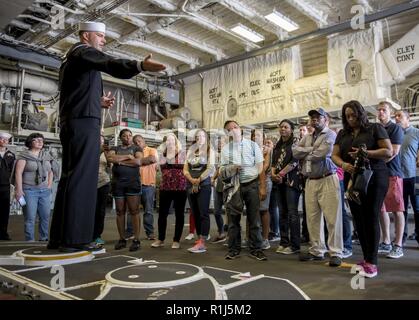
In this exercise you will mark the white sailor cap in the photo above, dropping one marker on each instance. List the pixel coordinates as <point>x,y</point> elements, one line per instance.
<point>92,26</point>
<point>5,135</point>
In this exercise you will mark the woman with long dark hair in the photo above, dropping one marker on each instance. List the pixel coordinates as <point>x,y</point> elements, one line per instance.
<point>287,189</point>
<point>198,168</point>
<point>259,137</point>
<point>357,131</point>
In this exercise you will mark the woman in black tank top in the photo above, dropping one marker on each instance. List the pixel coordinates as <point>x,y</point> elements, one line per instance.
<point>126,186</point>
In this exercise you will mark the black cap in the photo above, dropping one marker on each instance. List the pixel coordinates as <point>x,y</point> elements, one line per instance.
<point>319,111</point>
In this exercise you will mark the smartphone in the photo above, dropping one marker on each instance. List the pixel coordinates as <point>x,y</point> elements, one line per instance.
<point>22,201</point>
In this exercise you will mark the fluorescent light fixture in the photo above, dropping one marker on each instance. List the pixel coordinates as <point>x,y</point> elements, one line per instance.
<point>247,33</point>
<point>282,21</point>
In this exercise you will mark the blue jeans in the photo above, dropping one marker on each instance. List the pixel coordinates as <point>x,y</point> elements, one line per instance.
<point>346,223</point>
<point>38,201</point>
<point>147,200</point>
<point>274,211</point>
<point>287,200</point>
<point>218,210</point>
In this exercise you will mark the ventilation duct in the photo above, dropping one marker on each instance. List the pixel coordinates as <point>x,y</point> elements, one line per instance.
<point>35,83</point>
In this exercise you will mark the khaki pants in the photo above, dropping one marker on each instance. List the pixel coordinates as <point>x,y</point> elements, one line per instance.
<point>322,196</point>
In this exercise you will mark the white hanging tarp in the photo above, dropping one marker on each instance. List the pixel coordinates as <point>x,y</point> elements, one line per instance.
<point>352,67</point>
<point>251,91</point>
<point>402,58</point>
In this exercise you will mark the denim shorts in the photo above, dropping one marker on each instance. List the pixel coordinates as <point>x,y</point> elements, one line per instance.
<point>264,205</point>
<point>126,189</point>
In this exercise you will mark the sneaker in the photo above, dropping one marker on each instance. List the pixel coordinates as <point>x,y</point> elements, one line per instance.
<point>190,236</point>
<point>396,252</point>
<point>280,249</point>
<point>335,261</point>
<point>122,243</point>
<point>244,244</point>
<point>135,245</point>
<point>346,253</point>
<point>310,257</point>
<point>220,238</point>
<point>129,236</point>
<point>355,238</point>
<point>157,244</point>
<point>258,255</point>
<point>288,250</point>
<point>100,241</point>
<point>265,245</point>
<point>151,237</point>
<point>175,245</point>
<point>199,247</point>
<point>274,238</point>
<point>384,248</point>
<point>368,270</point>
<point>208,238</point>
<point>412,236</point>
<point>231,255</point>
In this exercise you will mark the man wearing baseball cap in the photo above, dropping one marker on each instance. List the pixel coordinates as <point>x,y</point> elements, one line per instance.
<point>322,189</point>
<point>7,160</point>
<point>81,100</point>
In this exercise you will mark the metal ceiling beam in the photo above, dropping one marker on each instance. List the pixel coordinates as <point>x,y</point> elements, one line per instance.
<point>201,20</point>
<point>251,15</point>
<point>155,26</point>
<point>192,61</point>
<point>91,15</point>
<point>195,43</point>
<point>385,13</point>
<point>315,14</point>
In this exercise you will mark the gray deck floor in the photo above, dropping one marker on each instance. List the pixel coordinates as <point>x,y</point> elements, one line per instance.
<point>397,279</point>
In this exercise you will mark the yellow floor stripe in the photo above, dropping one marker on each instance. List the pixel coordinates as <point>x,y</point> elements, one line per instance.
<point>41,258</point>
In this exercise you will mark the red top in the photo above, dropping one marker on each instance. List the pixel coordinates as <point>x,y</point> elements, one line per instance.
<point>340,173</point>
<point>172,177</point>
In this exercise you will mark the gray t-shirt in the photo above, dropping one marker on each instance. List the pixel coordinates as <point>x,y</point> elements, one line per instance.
<point>29,177</point>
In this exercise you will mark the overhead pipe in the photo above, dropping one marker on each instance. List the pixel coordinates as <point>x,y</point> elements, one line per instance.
<point>28,16</point>
<point>204,22</point>
<point>60,6</point>
<point>157,27</point>
<point>89,16</point>
<point>157,112</point>
<point>35,83</point>
<point>319,33</point>
<point>21,25</point>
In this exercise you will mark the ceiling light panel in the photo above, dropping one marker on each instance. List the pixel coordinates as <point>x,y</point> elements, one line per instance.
<point>282,21</point>
<point>247,33</point>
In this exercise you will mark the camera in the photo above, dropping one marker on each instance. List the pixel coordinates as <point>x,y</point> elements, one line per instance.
<point>358,184</point>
